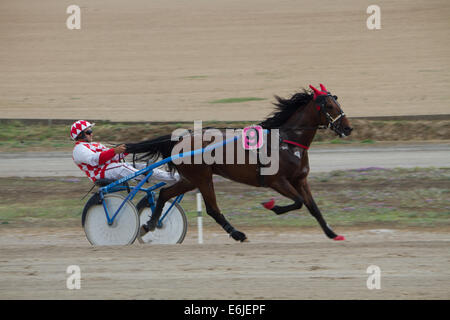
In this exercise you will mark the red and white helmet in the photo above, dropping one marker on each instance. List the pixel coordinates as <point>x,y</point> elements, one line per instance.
<point>78,127</point>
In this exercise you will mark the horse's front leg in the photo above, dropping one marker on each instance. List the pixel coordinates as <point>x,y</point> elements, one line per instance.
<point>284,187</point>
<point>303,188</point>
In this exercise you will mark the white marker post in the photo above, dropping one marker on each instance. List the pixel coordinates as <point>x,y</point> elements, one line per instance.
<point>199,218</point>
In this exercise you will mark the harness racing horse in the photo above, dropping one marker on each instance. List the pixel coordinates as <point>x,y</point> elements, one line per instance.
<point>297,120</point>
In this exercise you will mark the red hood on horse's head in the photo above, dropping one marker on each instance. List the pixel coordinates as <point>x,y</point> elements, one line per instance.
<point>319,93</point>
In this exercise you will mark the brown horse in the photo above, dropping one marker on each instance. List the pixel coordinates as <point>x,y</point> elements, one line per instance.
<point>297,120</point>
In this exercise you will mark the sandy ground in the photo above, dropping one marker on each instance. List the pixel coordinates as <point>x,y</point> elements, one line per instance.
<point>166,60</point>
<point>277,264</point>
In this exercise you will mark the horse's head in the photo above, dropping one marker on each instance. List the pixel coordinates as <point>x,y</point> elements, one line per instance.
<point>330,112</point>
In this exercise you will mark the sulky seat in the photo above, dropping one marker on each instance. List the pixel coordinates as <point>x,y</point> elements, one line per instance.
<point>103,182</point>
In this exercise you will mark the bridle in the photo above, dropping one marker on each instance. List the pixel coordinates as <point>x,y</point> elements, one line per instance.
<point>335,123</point>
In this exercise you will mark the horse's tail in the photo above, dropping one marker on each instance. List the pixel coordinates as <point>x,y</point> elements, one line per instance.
<point>153,149</point>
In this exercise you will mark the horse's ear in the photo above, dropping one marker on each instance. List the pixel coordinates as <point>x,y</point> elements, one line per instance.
<point>323,88</point>
<point>316,92</point>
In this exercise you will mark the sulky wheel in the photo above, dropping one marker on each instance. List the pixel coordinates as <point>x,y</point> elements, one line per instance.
<point>122,231</point>
<point>172,229</point>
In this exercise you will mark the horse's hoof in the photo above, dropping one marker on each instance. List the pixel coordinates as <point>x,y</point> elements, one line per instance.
<point>238,236</point>
<point>269,204</point>
<point>339,238</point>
<point>151,226</point>
<point>142,231</point>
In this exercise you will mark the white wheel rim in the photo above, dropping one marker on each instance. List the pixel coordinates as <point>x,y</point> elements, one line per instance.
<point>172,230</point>
<point>124,229</point>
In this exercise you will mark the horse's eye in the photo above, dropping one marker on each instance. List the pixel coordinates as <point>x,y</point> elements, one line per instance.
<point>335,97</point>
<point>330,107</point>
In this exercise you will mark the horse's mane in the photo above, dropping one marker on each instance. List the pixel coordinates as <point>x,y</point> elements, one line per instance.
<point>285,108</point>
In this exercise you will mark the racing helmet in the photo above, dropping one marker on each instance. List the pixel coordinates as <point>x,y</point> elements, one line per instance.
<point>78,127</point>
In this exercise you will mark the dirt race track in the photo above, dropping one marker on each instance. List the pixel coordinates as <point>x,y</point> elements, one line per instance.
<point>165,60</point>
<point>276,264</point>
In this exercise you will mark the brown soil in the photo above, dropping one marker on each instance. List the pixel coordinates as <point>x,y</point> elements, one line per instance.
<point>277,264</point>
<point>167,60</point>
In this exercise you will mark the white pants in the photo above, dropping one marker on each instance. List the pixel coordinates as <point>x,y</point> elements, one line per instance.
<point>117,171</point>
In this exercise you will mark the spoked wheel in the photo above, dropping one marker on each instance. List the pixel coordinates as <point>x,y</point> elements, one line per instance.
<point>173,227</point>
<point>123,230</point>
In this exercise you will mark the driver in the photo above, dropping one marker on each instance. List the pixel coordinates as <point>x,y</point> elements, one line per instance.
<point>99,162</point>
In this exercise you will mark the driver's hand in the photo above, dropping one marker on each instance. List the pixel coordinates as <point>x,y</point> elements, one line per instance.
<point>120,149</point>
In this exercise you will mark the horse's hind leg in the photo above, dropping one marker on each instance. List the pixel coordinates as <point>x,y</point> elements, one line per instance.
<point>304,189</point>
<point>204,182</point>
<point>165,194</point>
<point>213,210</point>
